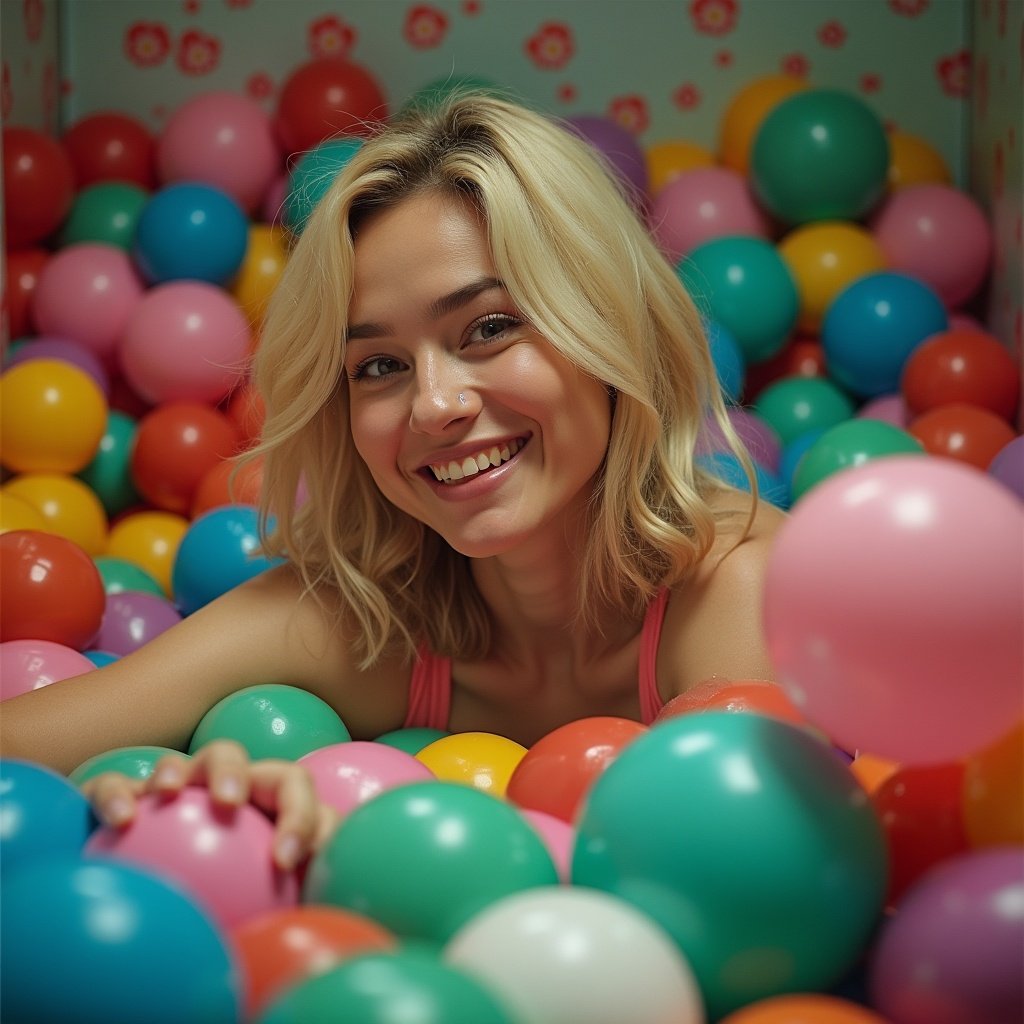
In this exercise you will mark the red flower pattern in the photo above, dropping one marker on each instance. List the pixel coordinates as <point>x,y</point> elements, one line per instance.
<point>198,53</point>
<point>714,17</point>
<point>796,64</point>
<point>330,37</point>
<point>191,6</point>
<point>870,82</point>
<point>909,8</point>
<point>259,86</point>
<point>147,43</point>
<point>470,7</point>
<point>998,170</point>
<point>425,27</point>
<point>954,73</point>
<point>35,15</point>
<point>981,87</point>
<point>832,34</point>
<point>567,92</point>
<point>551,46</point>
<point>6,96</point>
<point>687,96</point>
<point>631,113</point>
<point>238,3</point>
<point>724,58</point>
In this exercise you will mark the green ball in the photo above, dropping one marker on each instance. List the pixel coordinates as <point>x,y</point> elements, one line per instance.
<point>794,405</point>
<point>135,762</point>
<point>388,988</point>
<point>422,859</point>
<point>749,842</point>
<point>107,213</point>
<point>312,176</point>
<point>437,91</point>
<point>821,154</point>
<point>412,741</point>
<point>272,720</point>
<point>848,444</point>
<point>109,473</point>
<point>119,575</point>
<point>744,285</point>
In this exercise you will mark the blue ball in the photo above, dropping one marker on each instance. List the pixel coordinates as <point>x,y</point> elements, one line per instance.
<point>728,468</point>
<point>42,815</point>
<point>191,232</point>
<point>873,325</point>
<point>101,942</point>
<point>793,452</point>
<point>312,176</point>
<point>101,658</point>
<point>730,366</point>
<point>218,552</point>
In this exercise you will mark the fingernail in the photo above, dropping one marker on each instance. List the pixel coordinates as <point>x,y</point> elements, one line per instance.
<point>117,811</point>
<point>229,788</point>
<point>286,851</point>
<point>167,776</point>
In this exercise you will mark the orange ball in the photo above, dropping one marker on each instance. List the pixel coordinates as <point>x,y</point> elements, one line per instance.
<point>667,160</point>
<point>150,540</point>
<point>913,161</point>
<point>963,432</point>
<point>993,797</point>
<point>756,696</point>
<point>246,410</point>
<point>229,483</point>
<point>745,114</point>
<point>69,507</point>
<point>871,771</point>
<point>802,356</point>
<point>803,1009</point>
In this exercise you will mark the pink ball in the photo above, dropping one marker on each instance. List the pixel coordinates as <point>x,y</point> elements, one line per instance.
<point>87,293</point>
<point>273,200</point>
<point>702,204</point>
<point>894,611</point>
<point>939,235</point>
<point>757,434</point>
<point>890,409</point>
<point>220,139</point>
<point>348,774</point>
<point>185,341</point>
<point>222,856</point>
<point>558,836</point>
<point>30,664</point>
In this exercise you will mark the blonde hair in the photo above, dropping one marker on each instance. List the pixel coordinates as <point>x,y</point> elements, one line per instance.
<point>582,269</point>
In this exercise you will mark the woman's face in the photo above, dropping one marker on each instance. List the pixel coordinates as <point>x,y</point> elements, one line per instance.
<point>466,418</point>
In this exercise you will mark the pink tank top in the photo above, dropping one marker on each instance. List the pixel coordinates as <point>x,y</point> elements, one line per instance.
<point>430,689</point>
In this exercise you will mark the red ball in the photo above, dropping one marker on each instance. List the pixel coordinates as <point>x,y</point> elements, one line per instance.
<point>228,483</point>
<point>963,432</point>
<point>801,357</point>
<point>327,97</point>
<point>23,269</point>
<point>176,444</point>
<point>246,407</point>
<point>50,589</point>
<point>757,696</point>
<point>111,147</point>
<point>556,773</point>
<point>39,186</point>
<point>962,366</point>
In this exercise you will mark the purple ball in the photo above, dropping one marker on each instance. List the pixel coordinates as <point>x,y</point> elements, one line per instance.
<point>1008,466</point>
<point>887,408</point>
<point>132,618</point>
<point>760,438</point>
<point>620,149</point>
<point>952,954</point>
<point>67,352</point>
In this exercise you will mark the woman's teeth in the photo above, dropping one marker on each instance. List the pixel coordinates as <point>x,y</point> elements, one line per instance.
<point>471,465</point>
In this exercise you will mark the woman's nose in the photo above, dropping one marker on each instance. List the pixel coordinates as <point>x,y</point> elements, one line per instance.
<point>442,396</point>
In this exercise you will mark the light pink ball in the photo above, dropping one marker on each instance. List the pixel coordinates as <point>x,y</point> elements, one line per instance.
<point>87,293</point>
<point>220,139</point>
<point>185,341</point>
<point>221,856</point>
<point>702,204</point>
<point>30,664</point>
<point>887,408</point>
<point>558,836</point>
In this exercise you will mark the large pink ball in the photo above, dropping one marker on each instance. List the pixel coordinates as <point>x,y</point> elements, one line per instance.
<point>702,204</point>
<point>220,139</point>
<point>185,341</point>
<point>87,293</point>
<point>30,664</point>
<point>939,235</point>
<point>221,856</point>
<point>894,611</point>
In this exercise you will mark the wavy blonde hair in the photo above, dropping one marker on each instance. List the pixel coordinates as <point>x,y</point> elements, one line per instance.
<point>583,270</point>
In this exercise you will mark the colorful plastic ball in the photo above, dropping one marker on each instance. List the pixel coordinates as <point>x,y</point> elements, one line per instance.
<point>423,859</point>
<point>824,258</point>
<point>389,987</point>
<point>87,293</point>
<point>619,149</point>
<point>412,741</point>
<point>22,270</point>
<point>562,955</point>
<point>726,467</point>
<point>133,618</point>
<point>482,760</point>
<point>914,161</point>
<point>558,836</point>
<point>850,443</point>
<point>44,816</point>
<point>109,472</point>
<point>325,98</point>
<point>18,514</point>
<point>190,231</point>
<point>133,762</point>
<point>872,772</point>
<point>221,139</point>
<point>106,213</point>
<point>312,176</point>
<point>967,433</point>
<point>221,856</point>
<point>111,146</point>
<point>794,405</point>
<point>939,235</point>
<point>744,284</point>
<point>745,113</point>
<point>38,186</point>
<point>756,697</point>
<point>27,665</point>
<point>1008,466</point>
<point>783,888</point>
<point>349,774</point>
<point>272,720</point>
<point>730,366</point>
<point>559,769</point>
<point>702,204</point>
<point>891,409</point>
<point>667,160</point>
<point>228,483</point>
<point>52,417</point>
<point>245,406</point>
<point>150,540</point>
<point>890,585</point>
<point>49,589</point>
<point>755,434</point>
<point>821,1009</point>
<point>266,256</point>
<point>962,366</point>
<point>281,948</point>
<point>70,507</point>
<point>185,341</point>
<point>821,154</point>
<point>792,453</point>
<point>955,944</point>
<point>801,356</point>
<point>70,352</point>
<point>872,327</point>
<point>272,209</point>
<point>100,659</point>
<point>118,574</point>
<point>993,792</point>
<point>439,89</point>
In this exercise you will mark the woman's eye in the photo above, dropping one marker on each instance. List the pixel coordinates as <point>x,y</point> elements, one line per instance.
<point>376,367</point>
<point>493,326</point>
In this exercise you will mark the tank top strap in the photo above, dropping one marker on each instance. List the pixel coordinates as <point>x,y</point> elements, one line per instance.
<point>650,635</point>
<point>430,691</point>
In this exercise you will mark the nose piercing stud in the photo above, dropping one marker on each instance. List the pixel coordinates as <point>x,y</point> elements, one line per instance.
<point>462,398</point>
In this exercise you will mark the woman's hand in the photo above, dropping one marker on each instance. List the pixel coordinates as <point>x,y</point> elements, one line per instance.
<point>283,789</point>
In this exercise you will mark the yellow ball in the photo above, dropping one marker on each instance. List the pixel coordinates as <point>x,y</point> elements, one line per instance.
<point>265,259</point>
<point>150,540</point>
<point>52,417</point>
<point>482,760</point>
<point>69,507</point>
<point>17,514</point>
<point>913,161</point>
<point>825,257</point>
<point>667,160</point>
<point>746,112</point>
